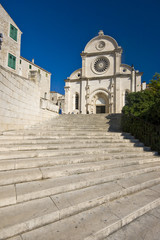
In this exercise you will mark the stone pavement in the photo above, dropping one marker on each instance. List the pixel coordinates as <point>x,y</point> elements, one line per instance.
<point>75,178</point>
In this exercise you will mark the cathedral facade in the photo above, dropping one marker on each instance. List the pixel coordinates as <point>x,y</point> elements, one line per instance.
<point>102,83</point>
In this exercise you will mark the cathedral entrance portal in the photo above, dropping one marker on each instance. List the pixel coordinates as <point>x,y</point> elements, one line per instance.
<point>100,103</point>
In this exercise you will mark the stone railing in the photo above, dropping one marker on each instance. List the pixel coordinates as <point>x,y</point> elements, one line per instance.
<point>47,104</point>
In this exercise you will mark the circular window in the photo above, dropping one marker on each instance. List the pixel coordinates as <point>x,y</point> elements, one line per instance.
<point>100,45</point>
<point>101,64</point>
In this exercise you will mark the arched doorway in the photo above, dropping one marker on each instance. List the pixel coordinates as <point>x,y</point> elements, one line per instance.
<point>100,103</point>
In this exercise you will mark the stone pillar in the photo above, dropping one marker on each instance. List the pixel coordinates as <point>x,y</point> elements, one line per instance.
<point>133,79</point>
<point>67,99</point>
<point>82,97</point>
<point>117,62</point>
<point>117,96</point>
<point>83,66</point>
<point>87,97</point>
<point>1,41</point>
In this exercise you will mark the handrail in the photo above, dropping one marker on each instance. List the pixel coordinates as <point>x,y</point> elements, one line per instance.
<point>146,132</point>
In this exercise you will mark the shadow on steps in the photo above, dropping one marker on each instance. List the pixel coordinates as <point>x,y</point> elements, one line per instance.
<point>114,122</point>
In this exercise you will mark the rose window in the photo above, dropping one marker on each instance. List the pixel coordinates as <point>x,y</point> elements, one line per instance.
<point>101,65</point>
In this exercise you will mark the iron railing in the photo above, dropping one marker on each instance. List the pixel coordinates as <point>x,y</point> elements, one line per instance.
<point>146,132</point>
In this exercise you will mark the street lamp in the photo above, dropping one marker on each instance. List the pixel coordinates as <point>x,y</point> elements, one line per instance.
<point>1,40</point>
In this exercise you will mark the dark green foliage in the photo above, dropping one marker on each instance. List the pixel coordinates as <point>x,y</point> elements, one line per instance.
<point>145,104</point>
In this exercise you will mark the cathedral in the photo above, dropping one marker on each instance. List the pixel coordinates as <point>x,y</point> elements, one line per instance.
<point>102,83</point>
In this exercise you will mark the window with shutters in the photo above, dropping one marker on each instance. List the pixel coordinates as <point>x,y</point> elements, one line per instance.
<point>11,61</point>
<point>13,32</point>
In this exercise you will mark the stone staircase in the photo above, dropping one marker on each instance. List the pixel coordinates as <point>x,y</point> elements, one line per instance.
<point>74,178</point>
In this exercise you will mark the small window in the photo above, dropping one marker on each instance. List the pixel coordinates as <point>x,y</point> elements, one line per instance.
<point>126,96</point>
<point>46,74</point>
<point>39,71</point>
<point>52,98</point>
<point>20,61</point>
<point>45,95</point>
<point>13,32</point>
<point>11,61</point>
<point>76,101</point>
<point>30,66</point>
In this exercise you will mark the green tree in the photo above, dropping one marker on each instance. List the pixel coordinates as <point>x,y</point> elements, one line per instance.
<point>154,84</point>
<point>145,104</point>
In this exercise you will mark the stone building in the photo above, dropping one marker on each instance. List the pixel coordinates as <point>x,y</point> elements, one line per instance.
<point>101,84</point>
<point>24,86</point>
<point>10,55</point>
<point>58,99</point>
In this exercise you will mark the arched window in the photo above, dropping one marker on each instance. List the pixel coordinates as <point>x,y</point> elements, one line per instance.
<point>77,101</point>
<point>126,95</point>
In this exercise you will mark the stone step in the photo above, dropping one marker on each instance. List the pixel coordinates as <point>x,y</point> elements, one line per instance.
<point>91,219</point>
<point>145,227</point>
<point>74,145</point>
<point>63,141</point>
<point>60,129</point>
<point>71,126</point>
<point>51,151</point>
<point>64,137</point>
<point>62,132</point>
<point>33,174</point>
<point>73,179</point>
<point>40,189</point>
<point>112,160</point>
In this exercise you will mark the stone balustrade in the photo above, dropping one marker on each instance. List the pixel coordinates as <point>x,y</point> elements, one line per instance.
<point>47,104</point>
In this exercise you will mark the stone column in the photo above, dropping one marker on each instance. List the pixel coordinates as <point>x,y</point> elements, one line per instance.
<point>87,97</point>
<point>82,97</point>
<point>83,66</point>
<point>117,96</point>
<point>133,79</point>
<point>117,62</point>
<point>67,99</point>
<point>1,41</point>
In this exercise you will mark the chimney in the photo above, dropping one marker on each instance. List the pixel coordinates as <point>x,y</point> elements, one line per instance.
<point>32,60</point>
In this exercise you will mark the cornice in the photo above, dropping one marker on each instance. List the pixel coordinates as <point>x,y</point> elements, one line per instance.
<point>85,54</point>
<point>103,77</point>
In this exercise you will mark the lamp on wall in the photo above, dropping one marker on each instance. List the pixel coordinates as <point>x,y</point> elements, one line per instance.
<point>1,40</point>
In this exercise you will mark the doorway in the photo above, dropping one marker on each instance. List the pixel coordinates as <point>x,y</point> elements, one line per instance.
<point>100,109</point>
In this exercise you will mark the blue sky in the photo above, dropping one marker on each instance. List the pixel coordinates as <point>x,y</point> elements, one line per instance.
<point>56,32</point>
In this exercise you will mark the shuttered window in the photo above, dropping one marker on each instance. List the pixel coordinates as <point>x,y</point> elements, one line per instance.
<point>13,32</point>
<point>11,61</point>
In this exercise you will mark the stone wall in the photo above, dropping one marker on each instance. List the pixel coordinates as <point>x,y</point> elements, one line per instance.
<point>9,45</point>
<point>25,67</point>
<point>20,102</point>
